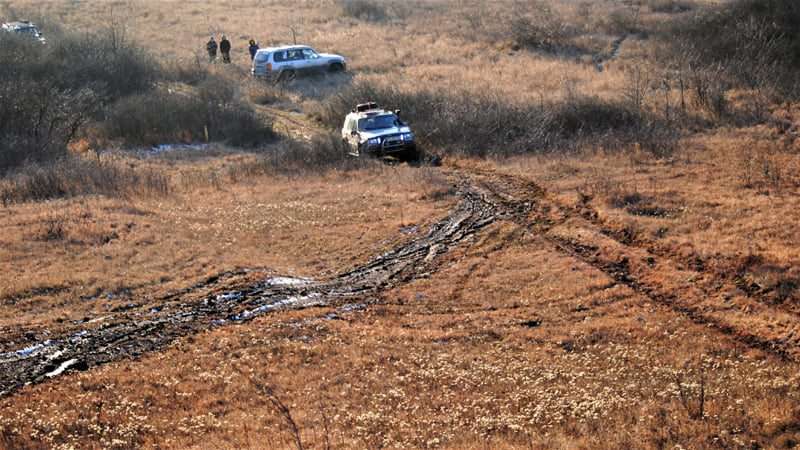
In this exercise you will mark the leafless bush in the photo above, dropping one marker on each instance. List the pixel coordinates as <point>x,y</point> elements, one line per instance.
<point>73,176</point>
<point>635,90</point>
<point>750,44</point>
<point>279,407</point>
<point>372,10</point>
<point>216,113</point>
<point>671,6</point>
<point>541,29</point>
<point>321,154</point>
<point>190,71</point>
<point>38,119</point>
<point>760,166</point>
<point>52,228</point>
<point>265,93</point>
<point>622,18</point>
<point>481,125</point>
<point>48,93</point>
<point>692,394</point>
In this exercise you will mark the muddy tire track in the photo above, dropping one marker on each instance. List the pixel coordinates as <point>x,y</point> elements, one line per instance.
<point>136,332</point>
<point>485,197</point>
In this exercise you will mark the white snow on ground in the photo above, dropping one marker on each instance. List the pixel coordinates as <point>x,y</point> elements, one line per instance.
<point>235,296</point>
<point>287,281</point>
<point>60,369</point>
<point>293,300</point>
<point>163,148</point>
<point>25,352</point>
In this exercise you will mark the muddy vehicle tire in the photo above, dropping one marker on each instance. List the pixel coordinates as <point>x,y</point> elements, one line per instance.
<point>413,156</point>
<point>336,68</point>
<point>286,76</point>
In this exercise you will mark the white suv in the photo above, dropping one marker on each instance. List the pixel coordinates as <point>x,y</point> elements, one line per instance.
<point>24,28</point>
<point>371,131</point>
<point>288,61</point>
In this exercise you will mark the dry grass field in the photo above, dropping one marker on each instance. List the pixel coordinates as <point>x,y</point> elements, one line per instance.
<point>623,298</point>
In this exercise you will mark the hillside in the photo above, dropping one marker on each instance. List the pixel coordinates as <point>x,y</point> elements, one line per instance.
<point>599,249</point>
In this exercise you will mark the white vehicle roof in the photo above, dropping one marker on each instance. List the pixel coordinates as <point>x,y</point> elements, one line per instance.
<point>282,47</point>
<point>21,25</point>
<point>371,113</point>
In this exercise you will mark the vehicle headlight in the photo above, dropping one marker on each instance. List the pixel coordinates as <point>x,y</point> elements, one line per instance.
<point>374,142</point>
<point>408,137</point>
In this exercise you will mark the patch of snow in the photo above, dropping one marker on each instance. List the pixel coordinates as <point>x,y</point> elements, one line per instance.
<point>163,148</point>
<point>26,352</point>
<point>287,281</point>
<point>99,319</point>
<point>230,296</point>
<point>288,301</point>
<point>60,369</point>
<point>55,355</point>
<point>353,307</point>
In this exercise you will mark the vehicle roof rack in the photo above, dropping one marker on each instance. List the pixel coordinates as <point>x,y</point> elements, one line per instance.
<point>361,107</point>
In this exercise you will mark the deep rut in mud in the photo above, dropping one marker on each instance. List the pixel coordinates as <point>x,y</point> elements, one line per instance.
<point>134,333</point>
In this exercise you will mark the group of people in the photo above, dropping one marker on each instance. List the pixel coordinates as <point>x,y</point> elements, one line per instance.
<point>225,48</point>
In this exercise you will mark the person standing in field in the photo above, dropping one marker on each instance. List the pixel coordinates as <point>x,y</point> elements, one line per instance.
<point>225,48</point>
<point>211,48</point>
<point>253,49</point>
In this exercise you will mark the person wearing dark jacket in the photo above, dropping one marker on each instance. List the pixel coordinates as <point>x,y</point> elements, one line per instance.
<point>253,49</point>
<point>225,48</point>
<point>211,48</point>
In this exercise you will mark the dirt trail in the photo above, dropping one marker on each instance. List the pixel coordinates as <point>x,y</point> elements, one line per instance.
<point>133,333</point>
<point>486,197</point>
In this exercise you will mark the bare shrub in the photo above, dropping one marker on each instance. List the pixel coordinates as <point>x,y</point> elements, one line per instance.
<point>73,176</point>
<point>751,44</point>
<point>215,112</point>
<point>371,10</point>
<point>50,92</point>
<point>541,29</point>
<point>321,154</point>
<point>760,166</point>
<point>190,71</point>
<point>692,394</point>
<point>52,228</point>
<point>37,120</point>
<point>482,125</point>
<point>671,6</point>
<point>265,93</point>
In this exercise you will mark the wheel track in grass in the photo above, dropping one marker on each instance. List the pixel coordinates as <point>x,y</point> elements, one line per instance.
<point>131,334</point>
<point>701,296</point>
<point>486,197</point>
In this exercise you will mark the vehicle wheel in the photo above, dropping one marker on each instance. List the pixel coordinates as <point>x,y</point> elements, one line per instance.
<point>349,150</point>
<point>412,156</point>
<point>362,153</point>
<point>286,76</point>
<point>336,67</point>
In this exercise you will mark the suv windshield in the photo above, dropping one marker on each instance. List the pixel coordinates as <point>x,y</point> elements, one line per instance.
<point>378,122</point>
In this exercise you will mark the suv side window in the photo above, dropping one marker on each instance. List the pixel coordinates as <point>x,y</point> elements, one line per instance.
<point>280,56</point>
<point>295,55</point>
<point>309,54</point>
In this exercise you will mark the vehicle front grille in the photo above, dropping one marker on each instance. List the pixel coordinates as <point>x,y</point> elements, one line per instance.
<point>393,142</point>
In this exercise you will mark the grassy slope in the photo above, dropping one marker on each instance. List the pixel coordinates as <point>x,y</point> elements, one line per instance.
<point>512,344</point>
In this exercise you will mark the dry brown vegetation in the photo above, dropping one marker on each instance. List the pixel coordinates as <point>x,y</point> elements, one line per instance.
<point>648,297</point>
